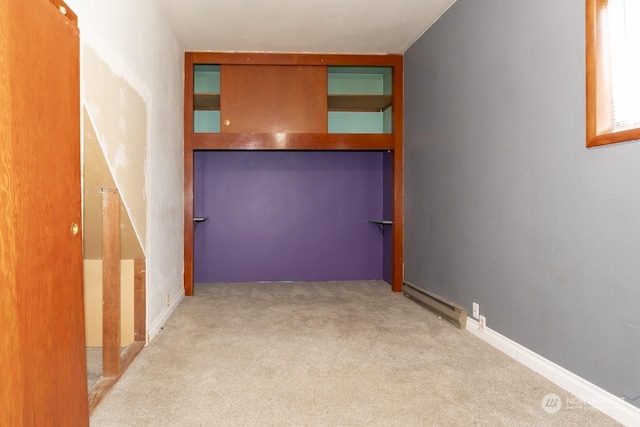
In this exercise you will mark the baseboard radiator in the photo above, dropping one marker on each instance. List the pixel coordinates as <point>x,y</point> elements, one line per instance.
<point>435,303</point>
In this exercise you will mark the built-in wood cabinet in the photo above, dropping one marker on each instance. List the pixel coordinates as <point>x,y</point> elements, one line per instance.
<point>273,98</point>
<point>292,99</point>
<point>249,101</point>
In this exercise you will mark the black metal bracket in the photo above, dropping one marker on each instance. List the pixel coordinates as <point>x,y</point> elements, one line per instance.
<point>199,220</point>
<point>381,224</point>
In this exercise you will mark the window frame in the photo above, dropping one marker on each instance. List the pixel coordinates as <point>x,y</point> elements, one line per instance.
<point>599,106</point>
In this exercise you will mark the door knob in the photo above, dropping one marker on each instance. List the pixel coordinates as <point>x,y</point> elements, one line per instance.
<point>227,122</point>
<point>74,228</point>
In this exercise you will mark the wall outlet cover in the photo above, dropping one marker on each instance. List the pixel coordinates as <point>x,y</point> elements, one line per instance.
<point>482,323</point>
<point>476,310</point>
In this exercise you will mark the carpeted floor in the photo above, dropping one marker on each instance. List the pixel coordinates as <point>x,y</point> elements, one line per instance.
<point>334,354</point>
<point>94,366</point>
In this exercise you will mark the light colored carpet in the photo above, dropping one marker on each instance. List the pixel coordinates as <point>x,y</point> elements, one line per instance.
<point>94,366</point>
<point>334,354</point>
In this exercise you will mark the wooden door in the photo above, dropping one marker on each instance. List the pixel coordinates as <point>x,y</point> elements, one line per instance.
<point>273,98</point>
<point>42,347</point>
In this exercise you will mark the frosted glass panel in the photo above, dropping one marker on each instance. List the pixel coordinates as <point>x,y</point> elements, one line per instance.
<point>356,94</point>
<point>206,84</point>
<point>359,80</point>
<point>388,120</point>
<point>355,122</point>
<point>206,121</point>
<point>363,84</point>
<point>206,79</point>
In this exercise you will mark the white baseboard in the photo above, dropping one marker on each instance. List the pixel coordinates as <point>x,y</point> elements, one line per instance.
<point>589,393</point>
<point>174,301</point>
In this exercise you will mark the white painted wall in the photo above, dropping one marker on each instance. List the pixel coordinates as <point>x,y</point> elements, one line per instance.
<point>137,41</point>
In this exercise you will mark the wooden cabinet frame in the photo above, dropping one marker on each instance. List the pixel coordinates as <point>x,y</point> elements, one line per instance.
<point>392,142</point>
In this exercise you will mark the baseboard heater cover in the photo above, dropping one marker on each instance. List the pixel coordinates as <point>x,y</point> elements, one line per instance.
<point>435,303</point>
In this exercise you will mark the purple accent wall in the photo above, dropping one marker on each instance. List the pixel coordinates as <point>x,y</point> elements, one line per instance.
<point>288,215</point>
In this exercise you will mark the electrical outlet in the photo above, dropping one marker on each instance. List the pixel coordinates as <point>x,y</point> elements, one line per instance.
<point>482,323</point>
<point>168,300</point>
<point>476,310</point>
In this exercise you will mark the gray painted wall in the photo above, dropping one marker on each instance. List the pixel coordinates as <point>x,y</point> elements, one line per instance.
<point>504,204</point>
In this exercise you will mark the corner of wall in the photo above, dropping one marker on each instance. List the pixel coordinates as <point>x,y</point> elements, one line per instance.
<point>156,326</point>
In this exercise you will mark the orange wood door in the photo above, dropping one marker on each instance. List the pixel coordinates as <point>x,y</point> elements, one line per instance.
<point>42,346</point>
<point>273,98</point>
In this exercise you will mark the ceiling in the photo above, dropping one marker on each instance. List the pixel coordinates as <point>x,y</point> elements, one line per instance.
<point>328,26</point>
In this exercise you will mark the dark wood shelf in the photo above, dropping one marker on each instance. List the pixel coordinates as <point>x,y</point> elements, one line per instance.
<point>197,220</point>
<point>206,101</point>
<point>365,103</point>
<point>292,141</point>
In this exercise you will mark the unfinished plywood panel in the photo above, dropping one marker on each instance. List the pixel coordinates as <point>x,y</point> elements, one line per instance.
<point>127,283</point>
<point>119,117</point>
<point>97,176</point>
<point>93,302</point>
<point>140,300</point>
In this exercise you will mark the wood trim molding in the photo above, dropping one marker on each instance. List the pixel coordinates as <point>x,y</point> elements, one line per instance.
<point>188,175</point>
<point>614,137</point>
<point>398,180</point>
<point>99,391</point>
<point>591,62</point>
<point>253,58</point>
<point>598,78</point>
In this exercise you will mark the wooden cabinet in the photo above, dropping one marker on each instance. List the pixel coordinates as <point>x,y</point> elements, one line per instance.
<point>252,101</point>
<point>264,98</point>
<point>259,98</point>
<point>273,98</point>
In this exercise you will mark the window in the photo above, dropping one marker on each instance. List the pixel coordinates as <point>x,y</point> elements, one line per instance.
<point>613,71</point>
